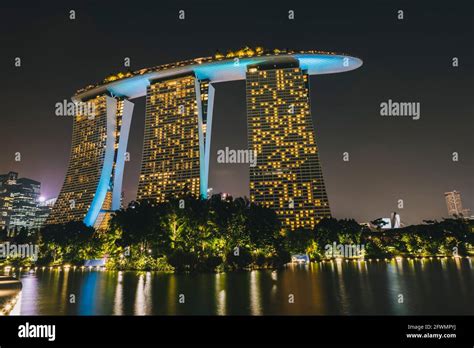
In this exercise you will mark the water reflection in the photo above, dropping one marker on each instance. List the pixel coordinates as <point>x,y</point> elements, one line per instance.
<point>326,288</point>
<point>140,297</point>
<point>255,300</point>
<point>397,291</point>
<point>118,300</point>
<point>220,291</point>
<point>87,296</point>
<point>274,276</point>
<point>29,294</point>
<point>342,291</point>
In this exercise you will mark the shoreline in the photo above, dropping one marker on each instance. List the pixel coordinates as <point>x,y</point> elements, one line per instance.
<point>10,289</point>
<point>67,267</point>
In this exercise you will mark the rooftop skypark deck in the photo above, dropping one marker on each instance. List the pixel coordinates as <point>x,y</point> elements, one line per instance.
<point>220,68</point>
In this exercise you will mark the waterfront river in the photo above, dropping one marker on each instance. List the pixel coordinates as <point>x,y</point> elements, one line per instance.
<point>438,286</point>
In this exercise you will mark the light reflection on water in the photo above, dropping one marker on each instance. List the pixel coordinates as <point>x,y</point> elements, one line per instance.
<point>255,299</point>
<point>118,309</point>
<point>438,286</point>
<point>220,291</point>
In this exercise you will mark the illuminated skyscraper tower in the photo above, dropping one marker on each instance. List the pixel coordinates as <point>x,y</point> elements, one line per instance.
<point>177,138</point>
<point>288,176</point>
<point>92,187</point>
<point>454,204</point>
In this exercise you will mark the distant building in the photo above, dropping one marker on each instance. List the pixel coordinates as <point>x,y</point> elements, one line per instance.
<point>454,204</point>
<point>7,181</point>
<point>43,211</point>
<point>387,224</point>
<point>19,198</point>
<point>384,223</point>
<point>395,220</point>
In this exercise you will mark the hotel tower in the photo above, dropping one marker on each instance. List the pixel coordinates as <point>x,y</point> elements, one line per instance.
<point>288,176</point>
<point>176,144</point>
<point>92,187</point>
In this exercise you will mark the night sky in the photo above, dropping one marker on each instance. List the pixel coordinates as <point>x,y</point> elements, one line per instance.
<point>390,158</point>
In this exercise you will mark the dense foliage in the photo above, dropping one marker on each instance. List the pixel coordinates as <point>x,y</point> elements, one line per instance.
<point>191,234</point>
<point>194,234</point>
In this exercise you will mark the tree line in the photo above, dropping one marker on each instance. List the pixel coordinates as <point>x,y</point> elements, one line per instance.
<point>192,234</point>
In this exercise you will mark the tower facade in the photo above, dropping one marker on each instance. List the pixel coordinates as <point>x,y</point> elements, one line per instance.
<point>92,187</point>
<point>287,176</point>
<point>19,198</point>
<point>177,138</point>
<point>454,204</point>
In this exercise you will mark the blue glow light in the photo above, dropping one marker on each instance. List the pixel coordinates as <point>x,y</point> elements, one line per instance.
<point>132,87</point>
<point>106,172</point>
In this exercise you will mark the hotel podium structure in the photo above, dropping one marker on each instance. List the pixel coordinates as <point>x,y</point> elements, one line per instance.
<point>177,138</point>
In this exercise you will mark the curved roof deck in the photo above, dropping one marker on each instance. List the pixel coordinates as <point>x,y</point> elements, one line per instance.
<point>134,84</point>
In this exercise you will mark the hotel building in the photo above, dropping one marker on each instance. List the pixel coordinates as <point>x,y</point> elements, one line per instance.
<point>92,187</point>
<point>178,116</point>
<point>454,204</point>
<point>288,176</point>
<point>177,136</point>
<point>19,202</point>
